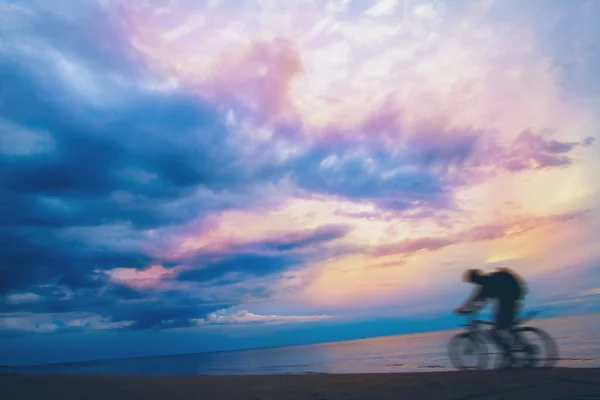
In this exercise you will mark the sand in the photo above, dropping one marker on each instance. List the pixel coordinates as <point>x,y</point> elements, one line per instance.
<point>546,384</point>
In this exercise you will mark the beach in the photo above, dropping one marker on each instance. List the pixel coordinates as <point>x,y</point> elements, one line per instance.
<point>543,384</point>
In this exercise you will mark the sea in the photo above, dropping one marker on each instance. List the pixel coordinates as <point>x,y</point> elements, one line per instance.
<point>577,337</point>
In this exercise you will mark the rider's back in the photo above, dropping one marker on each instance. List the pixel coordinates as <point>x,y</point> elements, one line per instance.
<point>503,284</point>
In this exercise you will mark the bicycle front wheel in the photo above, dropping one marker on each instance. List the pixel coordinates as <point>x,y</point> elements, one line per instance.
<point>467,352</point>
<point>539,349</point>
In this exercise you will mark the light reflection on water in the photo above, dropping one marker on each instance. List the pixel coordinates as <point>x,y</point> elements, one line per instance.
<point>578,339</point>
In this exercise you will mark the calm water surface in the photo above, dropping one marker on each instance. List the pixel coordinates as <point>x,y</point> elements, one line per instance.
<point>578,339</point>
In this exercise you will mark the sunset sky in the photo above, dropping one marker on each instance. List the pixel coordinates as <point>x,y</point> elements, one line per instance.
<point>181,176</point>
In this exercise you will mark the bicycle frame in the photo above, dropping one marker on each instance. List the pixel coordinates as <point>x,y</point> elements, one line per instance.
<point>475,326</point>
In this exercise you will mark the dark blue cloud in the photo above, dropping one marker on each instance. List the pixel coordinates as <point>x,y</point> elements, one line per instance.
<point>303,239</point>
<point>106,152</point>
<point>133,158</point>
<point>247,264</point>
<point>260,258</point>
<point>40,255</point>
<point>158,315</point>
<point>89,289</point>
<point>391,180</point>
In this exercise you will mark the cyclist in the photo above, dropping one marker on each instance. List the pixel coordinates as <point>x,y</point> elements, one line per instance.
<point>508,289</point>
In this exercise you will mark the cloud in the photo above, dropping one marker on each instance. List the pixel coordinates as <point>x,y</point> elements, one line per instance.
<point>170,294</point>
<point>246,264</point>
<point>23,298</point>
<point>401,147</point>
<point>382,7</point>
<point>300,240</point>
<point>534,151</point>
<point>591,292</point>
<point>20,324</point>
<point>116,142</point>
<point>158,315</point>
<point>127,307</point>
<point>244,317</point>
<point>148,277</point>
<point>416,245</point>
<point>357,170</point>
<point>269,255</point>
<point>493,231</point>
<point>403,166</point>
<point>91,174</point>
<point>388,264</point>
<point>258,78</point>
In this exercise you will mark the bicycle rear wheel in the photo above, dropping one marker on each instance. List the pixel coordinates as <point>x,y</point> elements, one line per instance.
<point>536,348</point>
<point>467,352</point>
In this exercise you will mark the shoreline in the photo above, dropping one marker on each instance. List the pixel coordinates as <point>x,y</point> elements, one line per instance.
<point>60,363</point>
<point>543,384</point>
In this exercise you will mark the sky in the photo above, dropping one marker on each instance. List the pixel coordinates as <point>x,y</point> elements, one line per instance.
<point>182,176</point>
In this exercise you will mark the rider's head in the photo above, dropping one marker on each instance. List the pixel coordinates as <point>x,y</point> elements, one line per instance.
<point>472,275</point>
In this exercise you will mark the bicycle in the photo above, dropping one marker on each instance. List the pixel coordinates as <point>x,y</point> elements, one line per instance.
<point>525,352</point>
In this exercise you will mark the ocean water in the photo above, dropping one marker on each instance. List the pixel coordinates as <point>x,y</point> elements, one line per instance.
<point>577,337</point>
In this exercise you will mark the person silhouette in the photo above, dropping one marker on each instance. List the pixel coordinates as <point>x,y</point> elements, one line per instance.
<point>508,289</point>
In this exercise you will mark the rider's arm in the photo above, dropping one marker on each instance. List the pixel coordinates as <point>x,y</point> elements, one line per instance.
<point>475,301</point>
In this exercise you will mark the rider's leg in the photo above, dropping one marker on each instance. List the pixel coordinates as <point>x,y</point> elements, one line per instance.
<point>510,310</point>
<point>501,339</point>
<point>502,332</point>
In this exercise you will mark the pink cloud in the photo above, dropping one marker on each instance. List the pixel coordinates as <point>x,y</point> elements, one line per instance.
<point>257,76</point>
<point>416,245</point>
<point>492,231</point>
<point>149,277</point>
<point>535,151</point>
